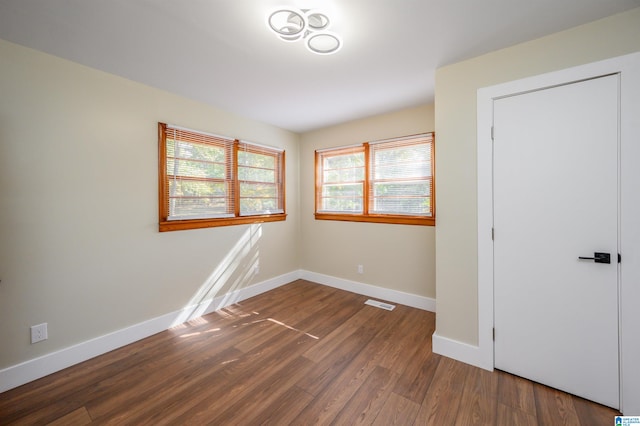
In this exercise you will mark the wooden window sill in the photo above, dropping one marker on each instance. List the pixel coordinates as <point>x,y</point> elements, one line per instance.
<point>178,225</point>
<point>402,220</point>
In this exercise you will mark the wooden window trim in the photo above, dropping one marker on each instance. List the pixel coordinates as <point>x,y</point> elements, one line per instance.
<point>366,216</point>
<point>367,170</point>
<point>394,219</point>
<point>177,225</point>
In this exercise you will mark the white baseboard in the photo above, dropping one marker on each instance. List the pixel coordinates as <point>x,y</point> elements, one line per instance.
<point>461,351</point>
<point>33,369</point>
<point>420,302</point>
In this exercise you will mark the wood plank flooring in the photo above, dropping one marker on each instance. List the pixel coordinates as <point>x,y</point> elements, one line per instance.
<point>301,354</point>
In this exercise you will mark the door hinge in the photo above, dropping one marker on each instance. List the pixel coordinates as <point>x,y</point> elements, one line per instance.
<point>491,132</point>
<point>494,334</point>
<point>492,234</point>
<point>619,258</point>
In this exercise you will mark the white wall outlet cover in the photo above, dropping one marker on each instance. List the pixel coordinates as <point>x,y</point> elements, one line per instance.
<point>39,333</point>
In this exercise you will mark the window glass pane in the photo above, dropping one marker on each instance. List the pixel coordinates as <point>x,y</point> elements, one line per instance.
<point>256,160</point>
<point>355,159</point>
<point>405,162</point>
<point>342,198</point>
<point>343,168</point>
<point>343,205</point>
<point>184,208</point>
<point>257,190</point>
<point>249,206</point>
<point>195,151</point>
<point>188,168</point>
<point>403,206</point>
<point>197,175</point>
<point>400,181</point>
<point>420,188</point>
<point>344,175</point>
<point>259,186</point>
<point>406,170</point>
<point>400,154</point>
<point>256,175</point>
<point>196,188</point>
<point>343,190</point>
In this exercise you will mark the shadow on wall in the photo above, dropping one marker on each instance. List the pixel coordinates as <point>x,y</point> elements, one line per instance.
<point>233,273</point>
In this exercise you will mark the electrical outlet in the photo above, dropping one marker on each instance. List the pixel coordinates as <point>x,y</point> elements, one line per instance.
<point>39,333</point>
<point>360,269</point>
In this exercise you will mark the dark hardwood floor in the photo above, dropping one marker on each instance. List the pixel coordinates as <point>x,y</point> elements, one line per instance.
<point>302,354</point>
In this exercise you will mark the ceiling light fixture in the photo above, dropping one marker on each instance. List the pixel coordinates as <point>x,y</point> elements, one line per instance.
<point>304,24</point>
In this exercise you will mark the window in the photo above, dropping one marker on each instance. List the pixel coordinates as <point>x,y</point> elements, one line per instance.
<point>207,180</point>
<point>388,181</point>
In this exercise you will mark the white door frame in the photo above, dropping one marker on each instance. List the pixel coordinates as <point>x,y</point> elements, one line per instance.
<point>628,67</point>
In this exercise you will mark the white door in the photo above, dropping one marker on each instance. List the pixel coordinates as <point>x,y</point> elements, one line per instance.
<point>555,200</point>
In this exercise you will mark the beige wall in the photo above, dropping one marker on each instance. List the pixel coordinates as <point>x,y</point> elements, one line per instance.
<point>456,87</point>
<point>79,246</point>
<point>396,257</point>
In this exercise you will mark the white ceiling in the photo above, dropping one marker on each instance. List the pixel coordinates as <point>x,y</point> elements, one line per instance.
<point>220,51</point>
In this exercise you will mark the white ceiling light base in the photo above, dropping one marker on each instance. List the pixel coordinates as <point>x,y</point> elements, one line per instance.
<point>291,24</point>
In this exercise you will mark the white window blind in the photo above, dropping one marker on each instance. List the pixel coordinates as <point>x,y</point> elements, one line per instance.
<point>199,172</point>
<point>400,176</point>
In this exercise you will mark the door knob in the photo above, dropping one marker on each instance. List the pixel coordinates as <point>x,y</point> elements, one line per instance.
<point>598,257</point>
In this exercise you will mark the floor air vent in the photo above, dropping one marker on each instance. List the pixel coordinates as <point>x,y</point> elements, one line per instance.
<point>380,305</point>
